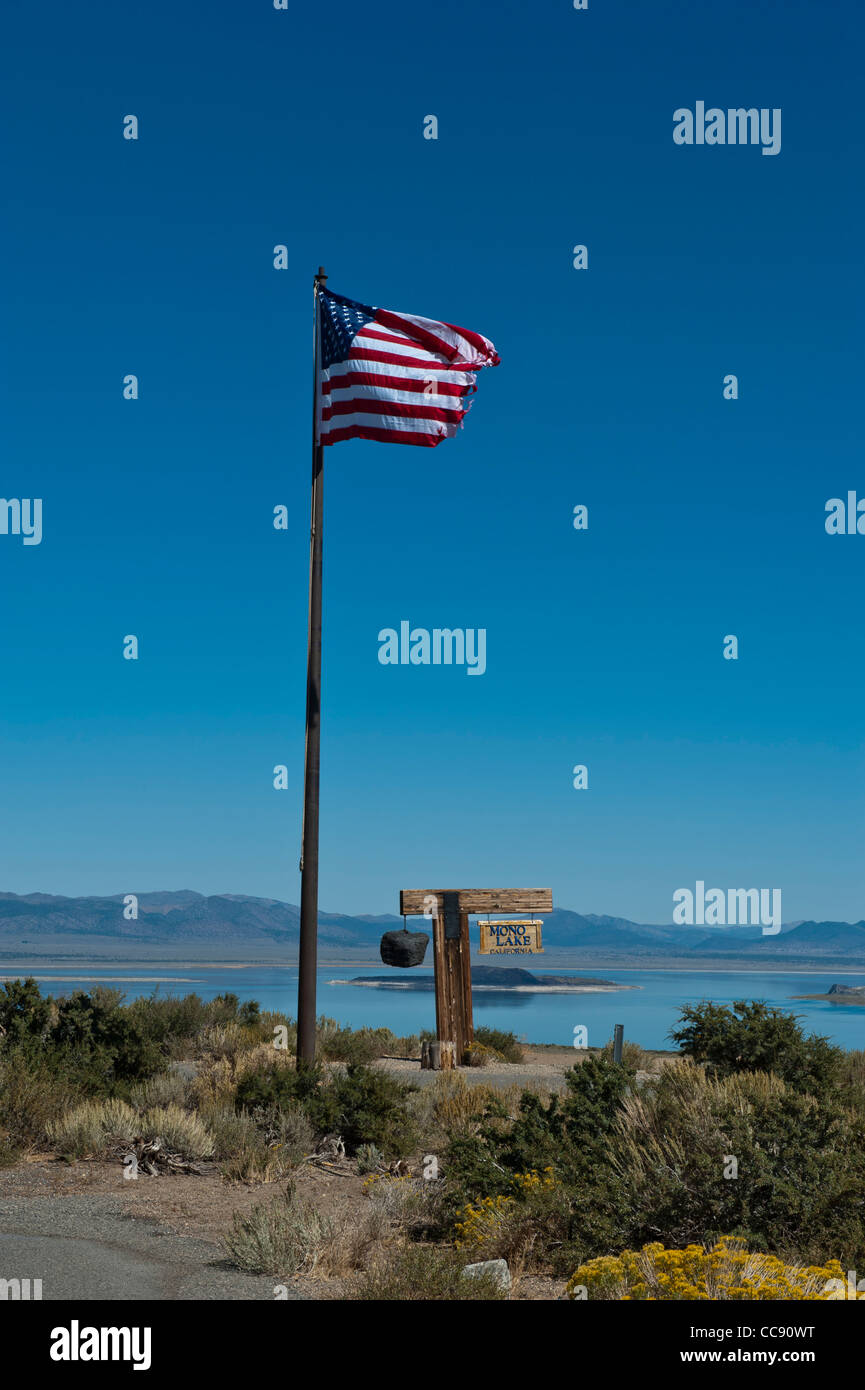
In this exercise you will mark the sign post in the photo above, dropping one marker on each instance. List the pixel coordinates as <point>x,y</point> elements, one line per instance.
<point>450,909</point>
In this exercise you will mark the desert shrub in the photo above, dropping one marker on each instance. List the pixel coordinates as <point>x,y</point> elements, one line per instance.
<point>800,1164</point>
<point>266,1025</point>
<point>174,1022</point>
<point>335,1043</point>
<point>851,1080</point>
<point>752,1036</point>
<point>233,1131</point>
<point>96,1127</point>
<point>279,1087</point>
<point>35,1090</point>
<point>282,1237</point>
<point>450,1106</point>
<point>261,1144</point>
<point>409,1204</point>
<point>506,1045</point>
<point>518,1226</point>
<point>369,1158</point>
<point>370,1108</point>
<point>228,1040</point>
<point>422,1272</point>
<point>180,1131</point>
<point>290,1130</point>
<point>216,1078</point>
<point>101,1040</point>
<point>170,1021</point>
<point>633,1055</point>
<point>477,1055</point>
<point>726,1271</point>
<point>24,1014</point>
<point>165,1088</point>
<point>242,1149</point>
<point>362,1105</point>
<point>570,1137</point>
<point>90,1128</point>
<point>232,1039</point>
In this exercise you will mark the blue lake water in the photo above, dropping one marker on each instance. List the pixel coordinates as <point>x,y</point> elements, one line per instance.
<point>647,1012</point>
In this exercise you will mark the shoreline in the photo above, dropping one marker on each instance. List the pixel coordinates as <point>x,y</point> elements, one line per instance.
<point>425,987</point>
<point>51,962</point>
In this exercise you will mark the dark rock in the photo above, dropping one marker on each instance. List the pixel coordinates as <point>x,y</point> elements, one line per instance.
<point>404,948</point>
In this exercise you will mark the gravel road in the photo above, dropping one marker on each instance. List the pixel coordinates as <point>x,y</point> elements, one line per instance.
<point>96,1251</point>
<point>531,1075</point>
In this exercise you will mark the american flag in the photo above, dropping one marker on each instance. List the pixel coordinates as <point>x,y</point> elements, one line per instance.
<point>394,377</point>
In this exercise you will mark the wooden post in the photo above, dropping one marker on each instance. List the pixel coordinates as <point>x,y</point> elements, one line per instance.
<point>618,1039</point>
<point>453,977</point>
<point>438,1056</point>
<point>452,955</point>
<point>466,1018</point>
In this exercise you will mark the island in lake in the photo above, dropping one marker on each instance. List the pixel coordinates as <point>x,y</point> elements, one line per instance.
<point>839,994</point>
<point>495,977</point>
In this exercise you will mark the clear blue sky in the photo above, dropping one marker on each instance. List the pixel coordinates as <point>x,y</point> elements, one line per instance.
<point>154,257</point>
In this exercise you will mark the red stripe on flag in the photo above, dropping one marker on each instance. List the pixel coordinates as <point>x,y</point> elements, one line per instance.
<point>393,359</point>
<point>394,383</point>
<point>383,436</point>
<point>368,332</point>
<point>479,342</point>
<point>359,405</point>
<point>420,335</point>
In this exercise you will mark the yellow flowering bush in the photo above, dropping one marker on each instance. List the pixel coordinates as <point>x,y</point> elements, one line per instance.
<point>726,1271</point>
<point>484,1223</point>
<point>478,1055</point>
<point>479,1222</point>
<point>527,1183</point>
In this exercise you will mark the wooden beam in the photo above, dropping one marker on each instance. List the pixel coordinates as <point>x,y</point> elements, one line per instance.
<point>412,900</point>
<point>453,984</point>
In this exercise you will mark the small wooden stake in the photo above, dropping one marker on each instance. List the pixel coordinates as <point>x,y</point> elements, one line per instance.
<point>438,1056</point>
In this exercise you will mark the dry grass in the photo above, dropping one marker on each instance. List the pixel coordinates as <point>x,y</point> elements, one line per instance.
<point>181,1131</point>
<point>281,1238</point>
<point>32,1098</point>
<point>95,1127</point>
<point>263,1148</point>
<point>166,1088</point>
<point>218,1074</point>
<point>89,1129</point>
<point>424,1273</point>
<point>451,1106</point>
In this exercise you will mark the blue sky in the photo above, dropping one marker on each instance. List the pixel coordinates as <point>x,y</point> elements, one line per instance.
<point>706,517</point>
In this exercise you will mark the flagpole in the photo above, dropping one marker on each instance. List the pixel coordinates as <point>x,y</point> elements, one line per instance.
<point>309,847</point>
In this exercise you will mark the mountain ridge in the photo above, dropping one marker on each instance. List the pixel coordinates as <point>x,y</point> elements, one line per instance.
<point>185,916</point>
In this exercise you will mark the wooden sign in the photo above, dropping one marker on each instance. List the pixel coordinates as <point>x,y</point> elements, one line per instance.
<point>514,938</point>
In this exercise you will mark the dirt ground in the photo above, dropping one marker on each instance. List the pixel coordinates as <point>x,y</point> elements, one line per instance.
<point>200,1208</point>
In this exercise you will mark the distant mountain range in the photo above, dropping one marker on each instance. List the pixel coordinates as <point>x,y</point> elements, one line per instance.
<point>245,927</point>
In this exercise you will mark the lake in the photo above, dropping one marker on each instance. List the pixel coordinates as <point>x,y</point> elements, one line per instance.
<point>647,1012</point>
